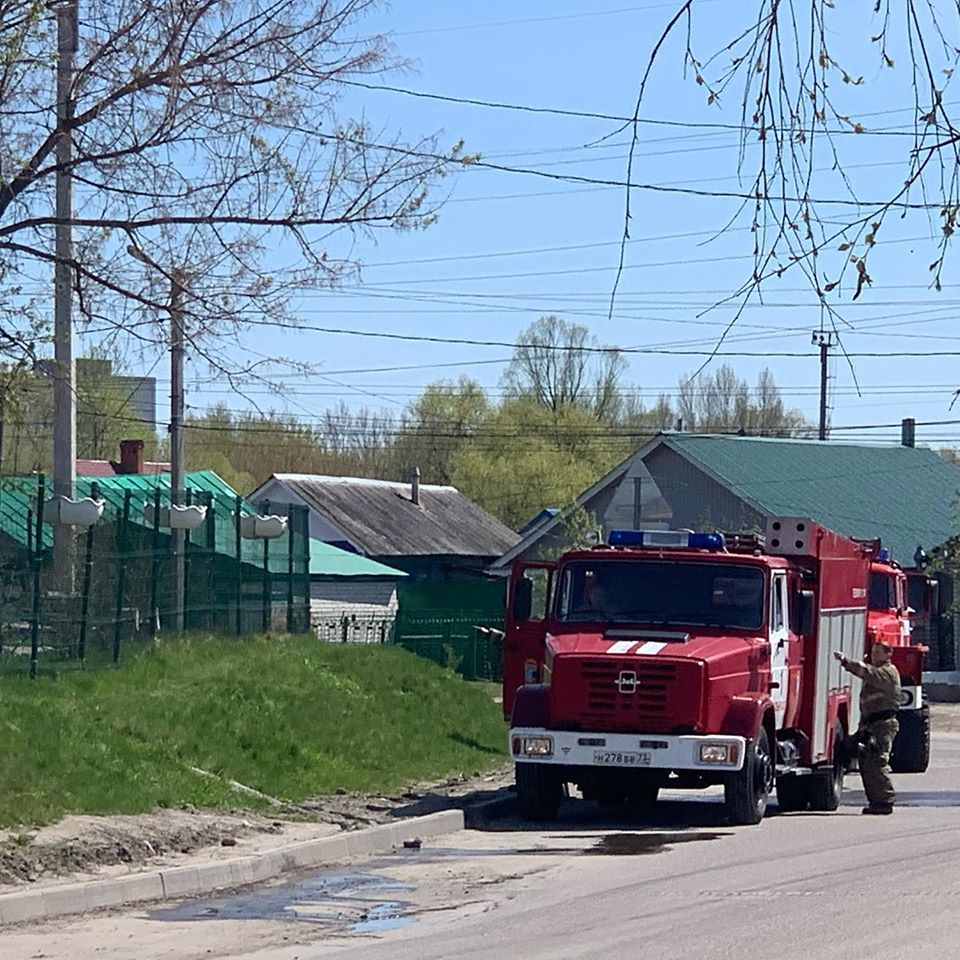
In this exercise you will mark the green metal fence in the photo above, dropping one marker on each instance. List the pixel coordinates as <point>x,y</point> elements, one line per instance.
<point>459,642</point>
<point>122,593</point>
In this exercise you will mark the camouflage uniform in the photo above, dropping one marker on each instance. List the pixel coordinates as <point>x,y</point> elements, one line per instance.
<point>879,702</point>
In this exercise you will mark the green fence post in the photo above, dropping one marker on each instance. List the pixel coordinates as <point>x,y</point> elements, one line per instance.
<point>186,568</point>
<point>155,566</point>
<point>37,563</point>
<point>267,597</point>
<point>87,578</point>
<point>239,571</point>
<point>121,573</point>
<point>290,538</point>
<point>211,620</point>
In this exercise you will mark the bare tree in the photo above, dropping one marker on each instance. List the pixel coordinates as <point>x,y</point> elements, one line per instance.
<point>722,402</point>
<point>562,364</point>
<point>782,63</point>
<point>207,135</point>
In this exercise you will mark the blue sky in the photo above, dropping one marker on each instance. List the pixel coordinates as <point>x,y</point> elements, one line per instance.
<point>510,247</point>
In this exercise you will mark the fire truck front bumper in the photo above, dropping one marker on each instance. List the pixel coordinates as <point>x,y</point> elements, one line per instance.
<point>702,753</point>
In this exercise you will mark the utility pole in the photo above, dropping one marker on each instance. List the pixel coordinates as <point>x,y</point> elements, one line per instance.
<point>178,279</point>
<point>64,374</point>
<point>176,437</point>
<point>825,342</point>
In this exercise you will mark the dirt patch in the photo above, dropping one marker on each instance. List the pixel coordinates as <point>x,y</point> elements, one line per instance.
<point>80,847</point>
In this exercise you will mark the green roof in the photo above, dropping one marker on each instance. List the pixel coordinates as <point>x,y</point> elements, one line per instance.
<point>330,561</point>
<point>18,497</point>
<point>904,495</point>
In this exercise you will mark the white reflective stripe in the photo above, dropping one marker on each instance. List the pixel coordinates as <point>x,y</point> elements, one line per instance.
<point>650,648</point>
<point>621,646</point>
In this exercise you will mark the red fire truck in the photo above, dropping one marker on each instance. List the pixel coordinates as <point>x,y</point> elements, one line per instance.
<point>677,659</point>
<point>889,619</point>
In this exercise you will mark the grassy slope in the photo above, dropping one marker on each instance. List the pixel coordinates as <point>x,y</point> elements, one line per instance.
<point>292,718</point>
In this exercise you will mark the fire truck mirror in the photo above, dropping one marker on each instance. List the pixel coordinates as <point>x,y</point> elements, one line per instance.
<point>522,600</point>
<point>803,610</point>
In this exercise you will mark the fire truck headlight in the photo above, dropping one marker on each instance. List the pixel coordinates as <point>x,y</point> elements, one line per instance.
<point>715,753</point>
<point>906,698</point>
<point>533,746</point>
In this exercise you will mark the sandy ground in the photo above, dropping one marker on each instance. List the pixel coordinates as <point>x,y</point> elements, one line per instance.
<point>84,847</point>
<point>945,717</point>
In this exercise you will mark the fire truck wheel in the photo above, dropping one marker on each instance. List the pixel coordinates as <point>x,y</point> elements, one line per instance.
<point>747,792</point>
<point>827,788</point>
<point>792,794</point>
<point>911,748</point>
<point>539,791</point>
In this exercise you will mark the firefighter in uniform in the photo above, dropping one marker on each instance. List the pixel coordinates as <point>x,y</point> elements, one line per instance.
<point>879,703</point>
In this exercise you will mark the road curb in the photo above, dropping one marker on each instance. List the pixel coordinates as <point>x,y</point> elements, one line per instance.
<point>198,879</point>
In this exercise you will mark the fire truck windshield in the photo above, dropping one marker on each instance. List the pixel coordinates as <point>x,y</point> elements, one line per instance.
<point>883,592</point>
<point>661,592</point>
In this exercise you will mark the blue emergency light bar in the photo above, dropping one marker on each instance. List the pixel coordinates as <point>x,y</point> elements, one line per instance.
<point>883,555</point>
<point>675,539</point>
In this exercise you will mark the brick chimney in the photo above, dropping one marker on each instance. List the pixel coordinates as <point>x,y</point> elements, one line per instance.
<point>131,456</point>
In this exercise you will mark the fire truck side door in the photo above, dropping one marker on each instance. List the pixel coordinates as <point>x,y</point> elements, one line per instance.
<point>531,586</point>
<point>779,646</point>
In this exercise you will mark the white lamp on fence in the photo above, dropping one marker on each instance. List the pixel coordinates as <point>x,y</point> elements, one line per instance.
<point>72,513</point>
<point>255,527</point>
<point>176,516</point>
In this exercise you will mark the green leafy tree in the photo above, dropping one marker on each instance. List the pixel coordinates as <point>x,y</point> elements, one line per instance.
<point>526,456</point>
<point>437,424</point>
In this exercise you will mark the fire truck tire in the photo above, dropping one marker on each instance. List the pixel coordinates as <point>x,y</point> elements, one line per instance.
<point>539,791</point>
<point>792,794</point>
<point>911,749</point>
<point>826,788</point>
<point>747,792</point>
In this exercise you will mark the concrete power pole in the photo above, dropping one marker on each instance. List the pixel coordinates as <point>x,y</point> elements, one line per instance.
<point>825,342</point>
<point>64,383</point>
<point>176,438</point>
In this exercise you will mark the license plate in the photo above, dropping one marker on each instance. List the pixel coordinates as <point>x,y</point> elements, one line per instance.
<point>619,758</point>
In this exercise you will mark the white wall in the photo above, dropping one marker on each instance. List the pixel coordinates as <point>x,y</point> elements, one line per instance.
<point>368,605</point>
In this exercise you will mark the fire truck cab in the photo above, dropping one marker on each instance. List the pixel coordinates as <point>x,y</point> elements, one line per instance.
<point>671,658</point>
<point>889,620</point>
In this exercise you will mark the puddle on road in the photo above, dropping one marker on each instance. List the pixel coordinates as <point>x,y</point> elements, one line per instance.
<point>366,902</point>
<point>350,900</point>
<point>638,844</point>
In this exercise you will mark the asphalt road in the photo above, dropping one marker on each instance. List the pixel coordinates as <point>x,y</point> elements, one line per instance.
<point>679,884</point>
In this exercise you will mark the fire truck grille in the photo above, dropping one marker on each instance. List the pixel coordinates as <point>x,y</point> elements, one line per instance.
<point>611,693</point>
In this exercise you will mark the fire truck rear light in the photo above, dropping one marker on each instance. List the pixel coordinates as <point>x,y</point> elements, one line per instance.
<point>537,746</point>
<point>717,753</point>
<point>906,698</point>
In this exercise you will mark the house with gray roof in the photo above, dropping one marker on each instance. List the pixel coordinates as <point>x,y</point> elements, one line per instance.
<point>429,531</point>
<point>905,495</point>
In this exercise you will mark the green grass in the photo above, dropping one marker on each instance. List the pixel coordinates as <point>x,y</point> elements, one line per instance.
<point>292,718</point>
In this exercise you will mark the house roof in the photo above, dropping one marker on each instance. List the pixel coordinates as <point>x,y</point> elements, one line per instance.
<point>327,562</point>
<point>110,468</point>
<point>18,496</point>
<point>380,519</point>
<point>904,495</point>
